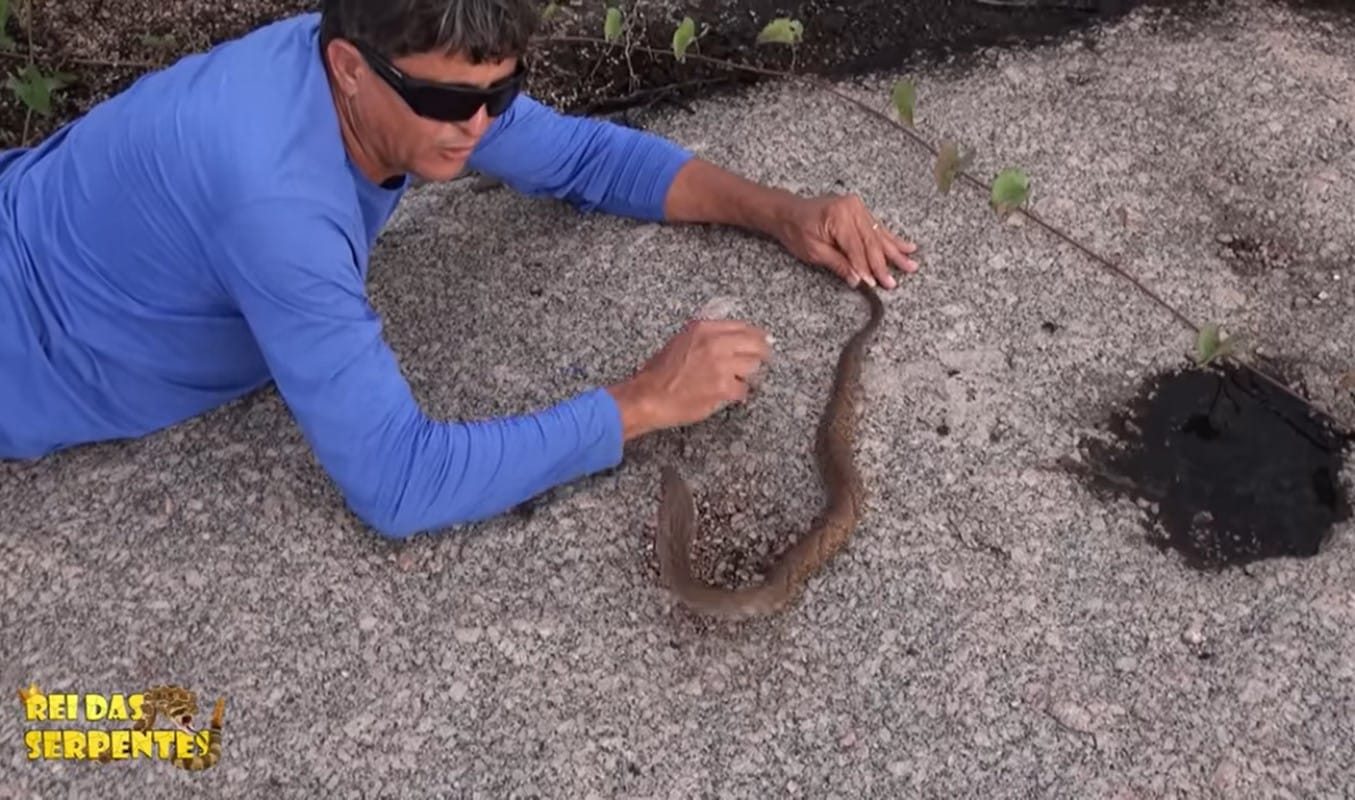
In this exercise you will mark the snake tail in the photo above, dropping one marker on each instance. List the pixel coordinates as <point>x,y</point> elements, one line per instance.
<point>834,446</point>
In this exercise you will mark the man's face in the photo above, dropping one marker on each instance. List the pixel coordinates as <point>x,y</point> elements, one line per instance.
<point>430,148</point>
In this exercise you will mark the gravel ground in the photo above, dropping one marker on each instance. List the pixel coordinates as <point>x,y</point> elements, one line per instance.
<point>992,631</point>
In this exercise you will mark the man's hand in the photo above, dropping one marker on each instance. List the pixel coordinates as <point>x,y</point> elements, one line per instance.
<point>833,231</point>
<point>838,232</point>
<point>705,366</point>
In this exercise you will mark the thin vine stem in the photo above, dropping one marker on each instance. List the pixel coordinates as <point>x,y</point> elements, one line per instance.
<point>827,86</point>
<point>29,23</point>
<point>30,53</point>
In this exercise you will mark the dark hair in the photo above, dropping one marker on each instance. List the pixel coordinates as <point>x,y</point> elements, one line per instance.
<point>479,30</point>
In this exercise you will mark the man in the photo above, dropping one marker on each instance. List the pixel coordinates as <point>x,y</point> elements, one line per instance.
<point>207,231</point>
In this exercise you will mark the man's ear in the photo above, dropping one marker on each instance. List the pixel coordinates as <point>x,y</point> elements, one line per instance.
<point>345,64</point>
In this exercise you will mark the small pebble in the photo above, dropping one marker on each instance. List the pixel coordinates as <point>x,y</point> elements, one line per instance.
<point>1073,716</point>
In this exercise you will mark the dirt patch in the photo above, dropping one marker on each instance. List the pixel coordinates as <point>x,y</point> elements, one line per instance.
<point>102,47</point>
<point>1230,468</point>
<point>1250,257</point>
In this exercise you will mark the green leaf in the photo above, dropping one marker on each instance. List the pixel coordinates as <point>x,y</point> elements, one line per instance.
<point>905,99</point>
<point>949,163</point>
<point>612,28</point>
<point>1207,344</point>
<point>6,43</point>
<point>551,10</point>
<point>1010,190</point>
<point>682,38</point>
<point>34,89</point>
<point>782,30</point>
<point>150,40</point>
<point>32,95</point>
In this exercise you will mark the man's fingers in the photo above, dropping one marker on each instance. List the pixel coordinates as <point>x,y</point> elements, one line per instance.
<point>745,367</point>
<point>827,255</point>
<point>735,338</point>
<point>722,327</point>
<point>838,263</point>
<point>899,258</point>
<point>903,244</point>
<point>734,327</point>
<point>852,241</point>
<point>871,263</point>
<point>751,343</point>
<point>875,253</point>
<point>735,389</point>
<point>905,249</point>
<point>893,248</point>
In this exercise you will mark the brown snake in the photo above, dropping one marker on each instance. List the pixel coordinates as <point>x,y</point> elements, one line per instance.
<point>833,449</point>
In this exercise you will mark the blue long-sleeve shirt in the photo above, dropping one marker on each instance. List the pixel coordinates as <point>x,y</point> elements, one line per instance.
<point>204,232</point>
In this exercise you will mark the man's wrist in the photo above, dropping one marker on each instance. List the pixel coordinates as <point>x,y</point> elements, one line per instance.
<point>772,213</point>
<point>633,403</point>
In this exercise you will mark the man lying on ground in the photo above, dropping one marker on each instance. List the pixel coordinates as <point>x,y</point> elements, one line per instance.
<point>207,231</point>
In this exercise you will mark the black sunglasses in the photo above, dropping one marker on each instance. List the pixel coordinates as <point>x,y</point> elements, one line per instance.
<point>447,102</point>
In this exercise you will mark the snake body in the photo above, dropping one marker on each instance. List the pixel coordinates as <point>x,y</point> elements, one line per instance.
<point>844,494</point>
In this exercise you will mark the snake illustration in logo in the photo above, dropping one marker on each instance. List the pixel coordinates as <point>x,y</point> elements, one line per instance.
<point>178,705</point>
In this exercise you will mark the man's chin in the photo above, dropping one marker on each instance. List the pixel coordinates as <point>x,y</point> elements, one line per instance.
<point>442,165</point>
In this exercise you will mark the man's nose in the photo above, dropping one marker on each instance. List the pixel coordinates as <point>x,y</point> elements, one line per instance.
<point>476,125</point>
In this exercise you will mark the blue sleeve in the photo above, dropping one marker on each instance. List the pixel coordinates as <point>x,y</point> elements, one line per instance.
<point>298,286</point>
<point>590,163</point>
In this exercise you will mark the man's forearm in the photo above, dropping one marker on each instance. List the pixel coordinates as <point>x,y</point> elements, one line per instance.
<point>703,192</point>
